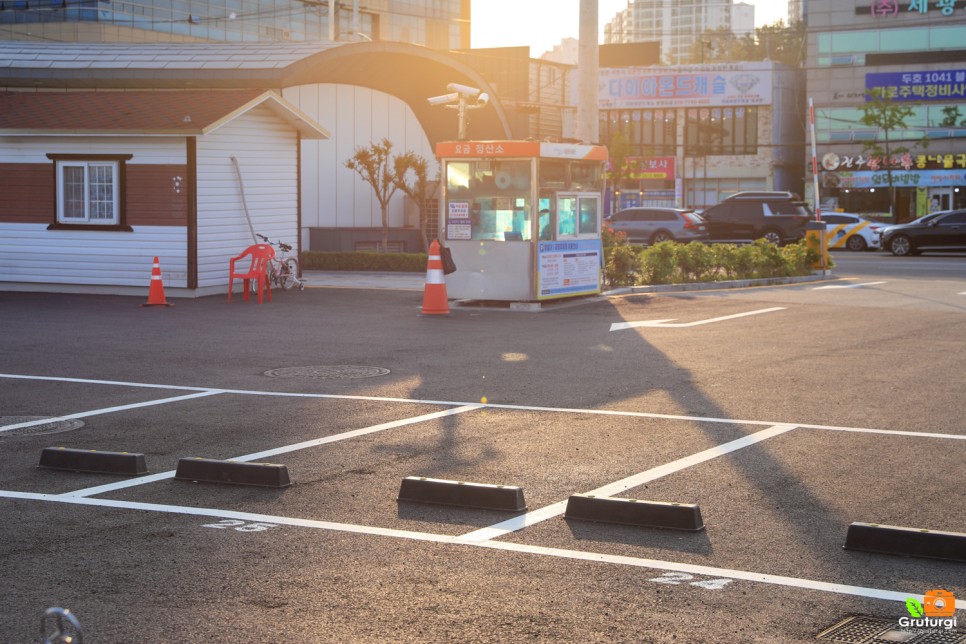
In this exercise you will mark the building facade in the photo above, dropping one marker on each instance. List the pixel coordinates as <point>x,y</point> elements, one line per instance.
<point>440,24</point>
<point>913,53</point>
<point>696,134</point>
<point>676,23</point>
<point>90,198</point>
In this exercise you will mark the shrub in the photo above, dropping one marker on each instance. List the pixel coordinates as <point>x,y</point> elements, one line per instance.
<point>660,266</point>
<point>622,261</point>
<point>364,261</point>
<point>695,262</point>
<point>673,263</point>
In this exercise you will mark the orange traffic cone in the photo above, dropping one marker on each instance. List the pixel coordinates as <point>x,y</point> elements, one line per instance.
<point>156,293</point>
<point>434,295</point>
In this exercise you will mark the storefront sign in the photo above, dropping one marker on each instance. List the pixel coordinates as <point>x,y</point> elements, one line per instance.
<point>893,8</point>
<point>900,179</point>
<point>661,168</point>
<point>568,267</point>
<point>940,85</point>
<point>635,88</point>
<point>832,162</point>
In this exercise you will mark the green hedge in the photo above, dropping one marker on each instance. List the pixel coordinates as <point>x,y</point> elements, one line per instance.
<point>674,263</point>
<point>625,264</point>
<point>364,261</point>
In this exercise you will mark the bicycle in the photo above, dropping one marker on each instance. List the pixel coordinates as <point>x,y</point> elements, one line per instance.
<point>283,271</point>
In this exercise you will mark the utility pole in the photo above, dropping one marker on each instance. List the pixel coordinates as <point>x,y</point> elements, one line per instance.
<point>588,128</point>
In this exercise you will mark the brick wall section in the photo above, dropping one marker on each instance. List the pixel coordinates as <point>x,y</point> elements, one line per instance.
<point>152,194</point>
<point>28,193</point>
<point>152,198</point>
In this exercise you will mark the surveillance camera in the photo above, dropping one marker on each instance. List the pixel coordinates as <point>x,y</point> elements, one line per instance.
<point>444,99</point>
<point>463,89</point>
<point>483,99</point>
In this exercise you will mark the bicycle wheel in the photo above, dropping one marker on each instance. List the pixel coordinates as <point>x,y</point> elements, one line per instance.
<point>271,275</point>
<point>289,275</point>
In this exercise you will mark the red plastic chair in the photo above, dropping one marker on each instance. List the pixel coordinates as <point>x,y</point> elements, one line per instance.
<point>257,270</point>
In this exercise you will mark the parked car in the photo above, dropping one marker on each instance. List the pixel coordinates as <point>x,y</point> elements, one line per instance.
<point>779,217</point>
<point>847,230</point>
<point>940,231</point>
<point>649,225</point>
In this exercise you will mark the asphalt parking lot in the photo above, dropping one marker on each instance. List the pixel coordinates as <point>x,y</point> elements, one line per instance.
<point>785,413</point>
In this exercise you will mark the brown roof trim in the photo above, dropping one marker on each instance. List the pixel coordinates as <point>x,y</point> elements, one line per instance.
<point>156,113</point>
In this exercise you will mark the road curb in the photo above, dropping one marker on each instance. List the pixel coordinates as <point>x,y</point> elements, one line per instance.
<point>708,286</point>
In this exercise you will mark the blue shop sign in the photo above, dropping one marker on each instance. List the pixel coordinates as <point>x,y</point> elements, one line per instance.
<point>940,85</point>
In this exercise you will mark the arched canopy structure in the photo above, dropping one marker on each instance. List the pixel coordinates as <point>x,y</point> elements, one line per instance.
<point>411,73</point>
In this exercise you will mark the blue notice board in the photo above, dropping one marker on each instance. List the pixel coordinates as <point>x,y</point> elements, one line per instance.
<point>568,268</point>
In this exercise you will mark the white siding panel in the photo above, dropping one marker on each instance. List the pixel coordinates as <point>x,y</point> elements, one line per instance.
<point>356,117</point>
<point>266,150</point>
<point>92,257</point>
<point>146,150</point>
<point>310,166</point>
<point>349,213</point>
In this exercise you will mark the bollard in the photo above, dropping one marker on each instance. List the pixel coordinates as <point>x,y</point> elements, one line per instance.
<point>816,239</point>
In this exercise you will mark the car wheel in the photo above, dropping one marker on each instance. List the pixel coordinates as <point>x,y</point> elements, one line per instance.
<point>772,237</point>
<point>660,236</point>
<point>900,246</point>
<point>856,243</point>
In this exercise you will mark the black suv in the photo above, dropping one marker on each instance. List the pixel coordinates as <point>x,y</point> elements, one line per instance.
<point>779,217</point>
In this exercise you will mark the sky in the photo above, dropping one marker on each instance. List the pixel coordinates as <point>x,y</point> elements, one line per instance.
<point>542,24</point>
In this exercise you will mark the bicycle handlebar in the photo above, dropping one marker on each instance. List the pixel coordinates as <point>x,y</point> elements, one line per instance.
<point>285,247</point>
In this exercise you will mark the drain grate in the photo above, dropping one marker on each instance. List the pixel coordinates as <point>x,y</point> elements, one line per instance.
<point>328,372</point>
<point>39,429</point>
<point>879,630</point>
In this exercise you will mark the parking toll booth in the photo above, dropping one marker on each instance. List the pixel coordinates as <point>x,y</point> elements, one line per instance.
<point>522,219</point>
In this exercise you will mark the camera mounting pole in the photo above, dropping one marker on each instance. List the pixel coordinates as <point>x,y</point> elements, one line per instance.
<point>459,99</point>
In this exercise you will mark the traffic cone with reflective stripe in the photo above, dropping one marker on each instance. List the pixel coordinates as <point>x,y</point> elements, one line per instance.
<point>156,292</point>
<point>434,295</point>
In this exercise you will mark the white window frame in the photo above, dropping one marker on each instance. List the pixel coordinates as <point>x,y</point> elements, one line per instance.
<point>89,218</point>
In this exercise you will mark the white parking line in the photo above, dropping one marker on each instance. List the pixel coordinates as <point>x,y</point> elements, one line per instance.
<point>671,324</point>
<point>490,405</point>
<point>834,286</point>
<point>88,381</point>
<point>575,555</point>
<point>144,480</point>
<point>556,509</point>
<point>82,497</point>
<point>110,410</point>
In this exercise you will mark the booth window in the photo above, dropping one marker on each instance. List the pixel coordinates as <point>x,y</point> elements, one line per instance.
<point>89,192</point>
<point>577,216</point>
<point>488,199</point>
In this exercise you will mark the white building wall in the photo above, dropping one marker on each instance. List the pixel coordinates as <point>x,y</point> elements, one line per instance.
<point>265,148</point>
<point>743,19</point>
<point>29,253</point>
<point>332,195</point>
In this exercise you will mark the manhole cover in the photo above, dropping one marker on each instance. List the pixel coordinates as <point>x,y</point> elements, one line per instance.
<point>328,372</point>
<point>878,630</point>
<point>36,428</point>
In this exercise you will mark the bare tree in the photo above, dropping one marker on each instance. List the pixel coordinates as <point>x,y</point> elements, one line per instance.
<point>374,165</point>
<point>418,189</point>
